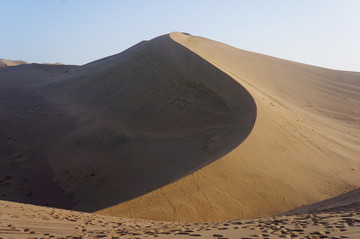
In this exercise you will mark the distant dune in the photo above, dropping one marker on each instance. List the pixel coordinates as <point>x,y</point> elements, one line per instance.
<point>179,128</point>
<point>5,63</point>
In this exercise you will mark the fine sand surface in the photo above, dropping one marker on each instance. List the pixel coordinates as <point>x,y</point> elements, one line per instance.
<point>304,147</point>
<point>19,220</point>
<point>179,128</point>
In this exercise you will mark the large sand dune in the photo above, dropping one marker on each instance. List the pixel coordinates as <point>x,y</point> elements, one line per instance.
<point>304,146</point>
<point>138,125</point>
<point>89,137</point>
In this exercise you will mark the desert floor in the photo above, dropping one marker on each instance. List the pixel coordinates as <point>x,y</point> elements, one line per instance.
<point>19,220</point>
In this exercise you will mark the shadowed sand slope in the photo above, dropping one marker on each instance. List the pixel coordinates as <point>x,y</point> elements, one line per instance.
<point>304,146</point>
<point>89,137</point>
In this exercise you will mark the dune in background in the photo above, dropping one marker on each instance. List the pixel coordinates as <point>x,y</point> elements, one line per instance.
<point>93,136</point>
<point>303,148</point>
<point>6,63</point>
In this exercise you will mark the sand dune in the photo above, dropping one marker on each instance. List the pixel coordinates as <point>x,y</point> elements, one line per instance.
<point>5,63</point>
<point>126,135</point>
<point>304,146</point>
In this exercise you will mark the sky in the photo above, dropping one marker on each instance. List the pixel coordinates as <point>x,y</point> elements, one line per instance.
<point>325,33</point>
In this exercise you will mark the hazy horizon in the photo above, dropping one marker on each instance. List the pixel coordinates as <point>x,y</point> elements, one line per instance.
<point>321,33</point>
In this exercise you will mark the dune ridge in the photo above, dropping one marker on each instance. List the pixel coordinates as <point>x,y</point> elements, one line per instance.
<point>304,146</point>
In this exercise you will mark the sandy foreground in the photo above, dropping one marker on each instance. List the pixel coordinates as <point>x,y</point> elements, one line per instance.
<point>19,220</point>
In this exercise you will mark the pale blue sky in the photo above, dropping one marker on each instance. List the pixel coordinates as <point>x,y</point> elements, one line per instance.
<point>319,32</point>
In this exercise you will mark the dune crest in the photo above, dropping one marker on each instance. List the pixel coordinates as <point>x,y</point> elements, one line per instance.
<point>304,146</point>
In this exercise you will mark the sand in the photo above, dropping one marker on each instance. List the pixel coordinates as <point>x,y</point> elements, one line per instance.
<point>179,128</point>
<point>27,221</point>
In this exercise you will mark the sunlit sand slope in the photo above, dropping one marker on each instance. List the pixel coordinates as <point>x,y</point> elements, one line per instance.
<point>305,145</point>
